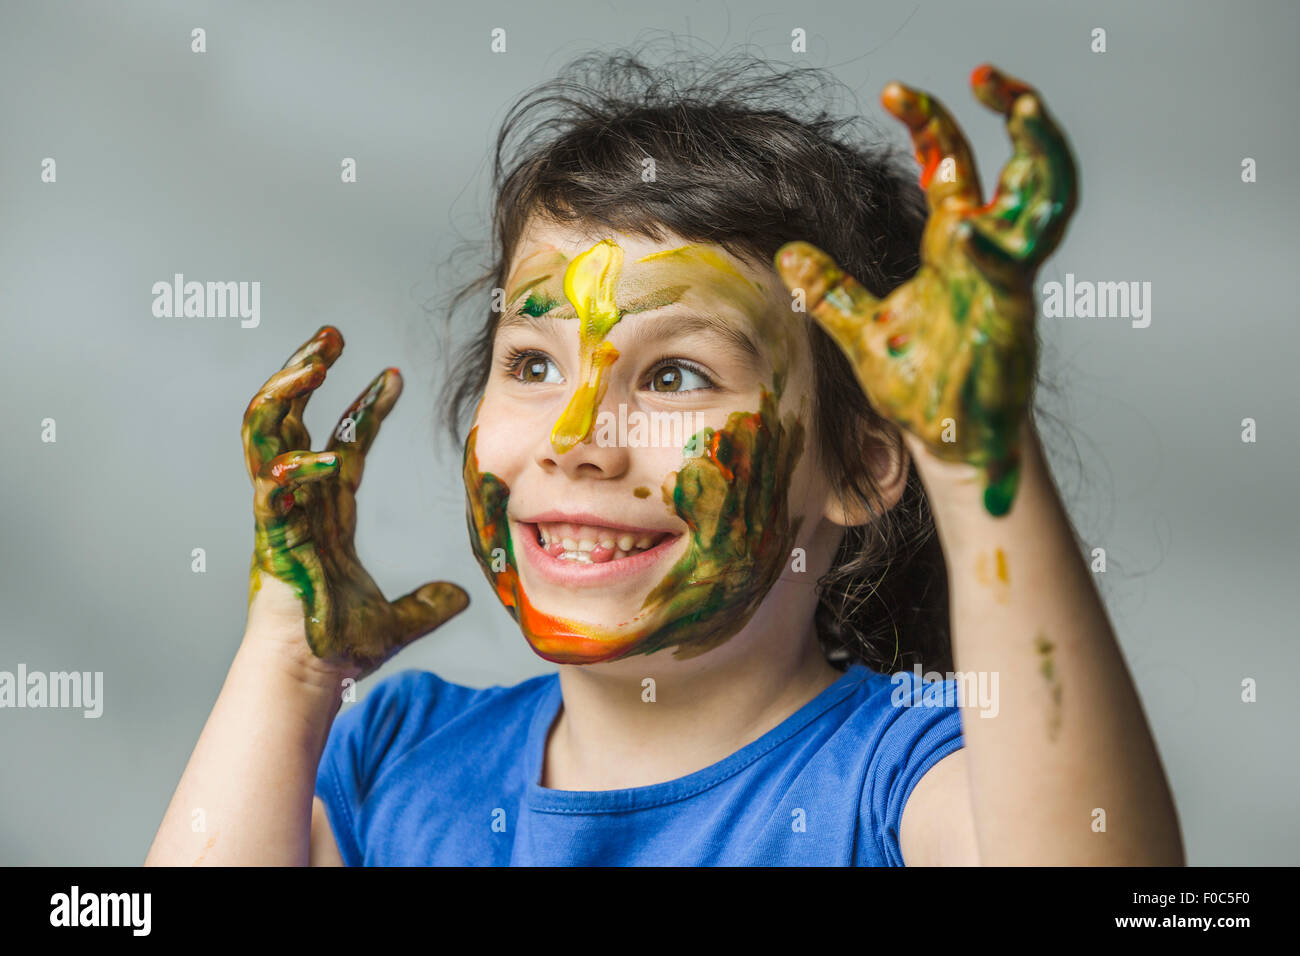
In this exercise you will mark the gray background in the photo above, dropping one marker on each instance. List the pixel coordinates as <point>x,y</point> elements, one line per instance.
<point>225,166</point>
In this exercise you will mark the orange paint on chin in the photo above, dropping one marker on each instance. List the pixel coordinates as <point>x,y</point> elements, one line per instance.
<point>554,638</point>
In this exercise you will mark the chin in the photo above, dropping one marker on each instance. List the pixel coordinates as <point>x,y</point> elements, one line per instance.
<point>572,648</point>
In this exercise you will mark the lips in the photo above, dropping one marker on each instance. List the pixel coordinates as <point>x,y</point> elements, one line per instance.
<point>572,552</point>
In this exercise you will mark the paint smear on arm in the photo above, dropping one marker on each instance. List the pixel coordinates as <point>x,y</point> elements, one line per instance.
<point>1046,651</point>
<point>993,571</point>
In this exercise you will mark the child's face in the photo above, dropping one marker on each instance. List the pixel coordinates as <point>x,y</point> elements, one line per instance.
<point>639,469</point>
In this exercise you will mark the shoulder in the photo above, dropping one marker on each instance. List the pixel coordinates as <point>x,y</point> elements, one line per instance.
<point>381,751</point>
<point>403,711</point>
<point>883,704</point>
<point>905,726</point>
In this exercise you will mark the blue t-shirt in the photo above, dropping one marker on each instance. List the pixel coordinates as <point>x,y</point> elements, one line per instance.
<point>426,772</point>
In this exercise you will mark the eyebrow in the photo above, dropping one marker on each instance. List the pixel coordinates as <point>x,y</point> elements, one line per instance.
<point>658,324</point>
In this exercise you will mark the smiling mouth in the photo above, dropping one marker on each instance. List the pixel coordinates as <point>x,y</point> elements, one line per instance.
<point>592,544</point>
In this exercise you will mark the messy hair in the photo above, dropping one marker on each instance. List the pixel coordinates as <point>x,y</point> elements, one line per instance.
<point>748,155</point>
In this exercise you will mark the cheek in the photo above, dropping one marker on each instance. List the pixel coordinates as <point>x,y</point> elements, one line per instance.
<point>503,437</point>
<point>805,485</point>
<point>655,466</point>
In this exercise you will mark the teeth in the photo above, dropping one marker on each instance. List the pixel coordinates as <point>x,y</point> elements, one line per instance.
<point>591,545</point>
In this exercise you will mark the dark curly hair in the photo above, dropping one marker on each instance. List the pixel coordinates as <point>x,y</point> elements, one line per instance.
<point>747,156</point>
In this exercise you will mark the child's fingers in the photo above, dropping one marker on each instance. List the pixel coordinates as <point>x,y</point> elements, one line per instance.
<point>273,488</point>
<point>834,298</point>
<point>326,345</point>
<point>1044,199</point>
<point>988,254</point>
<point>273,419</point>
<point>262,431</point>
<point>359,425</point>
<point>936,137</point>
<point>427,608</point>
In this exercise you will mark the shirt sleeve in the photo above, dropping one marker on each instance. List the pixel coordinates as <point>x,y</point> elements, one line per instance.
<point>359,741</point>
<point>922,725</point>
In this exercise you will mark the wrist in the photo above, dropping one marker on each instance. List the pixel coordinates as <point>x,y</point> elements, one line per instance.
<point>955,490</point>
<point>312,688</point>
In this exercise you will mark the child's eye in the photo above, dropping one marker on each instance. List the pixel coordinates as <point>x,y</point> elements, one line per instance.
<point>677,376</point>
<point>530,367</point>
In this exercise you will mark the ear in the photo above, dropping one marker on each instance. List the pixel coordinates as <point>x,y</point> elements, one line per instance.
<point>887,461</point>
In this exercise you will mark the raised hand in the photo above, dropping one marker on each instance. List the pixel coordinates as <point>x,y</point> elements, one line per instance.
<point>304,506</point>
<point>951,354</point>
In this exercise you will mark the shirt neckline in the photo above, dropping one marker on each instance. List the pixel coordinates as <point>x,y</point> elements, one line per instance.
<point>546,800</point>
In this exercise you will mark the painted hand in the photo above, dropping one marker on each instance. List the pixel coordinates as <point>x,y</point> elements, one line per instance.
<point>304,506</point>
<point>950,355</point>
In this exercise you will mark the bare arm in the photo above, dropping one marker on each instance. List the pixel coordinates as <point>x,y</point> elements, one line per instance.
<point>245,797</point>
<point>1067,771</point>
<point>1069,741</point>
<point>315,618</point>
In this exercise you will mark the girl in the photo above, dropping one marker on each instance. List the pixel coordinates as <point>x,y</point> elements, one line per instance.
<point>753,436</point>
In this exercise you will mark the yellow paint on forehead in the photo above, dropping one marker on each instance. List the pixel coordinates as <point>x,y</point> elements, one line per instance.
<point>698,264</point>
<point>642,285</point>
<point>703,255</point>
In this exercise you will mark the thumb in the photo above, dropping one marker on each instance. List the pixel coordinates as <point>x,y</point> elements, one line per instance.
<point>427,608</point>
<point>836,300</point>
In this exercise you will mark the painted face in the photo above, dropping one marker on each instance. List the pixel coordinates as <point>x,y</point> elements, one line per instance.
<point>630,470</point>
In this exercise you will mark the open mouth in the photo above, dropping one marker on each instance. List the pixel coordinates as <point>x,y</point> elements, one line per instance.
<point>588,555</point>
<point>593,544</point>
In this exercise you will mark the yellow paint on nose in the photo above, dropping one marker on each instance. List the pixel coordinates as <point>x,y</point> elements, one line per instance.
<point>589,284</point>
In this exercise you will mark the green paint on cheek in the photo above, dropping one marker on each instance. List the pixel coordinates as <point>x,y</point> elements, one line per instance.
<point>734,500</point>
<point>641,492</point>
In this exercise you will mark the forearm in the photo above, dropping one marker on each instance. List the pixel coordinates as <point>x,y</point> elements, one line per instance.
<point>253,771</point>
<point>1069,737</point>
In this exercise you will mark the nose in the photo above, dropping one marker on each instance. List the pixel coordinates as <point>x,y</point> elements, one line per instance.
<point>600,454</point>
